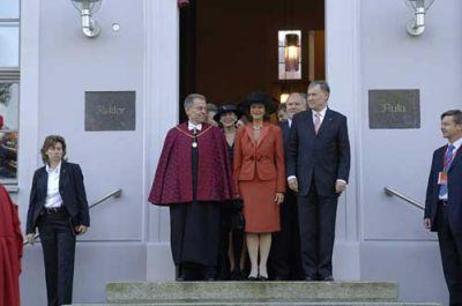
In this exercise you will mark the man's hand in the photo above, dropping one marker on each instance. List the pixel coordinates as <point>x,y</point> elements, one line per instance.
<point>428,223</point>
<point>279,198</point>
<point>30,238</point>
<point>293,184</point>
<point>81,229</point>
<point>340,186</point>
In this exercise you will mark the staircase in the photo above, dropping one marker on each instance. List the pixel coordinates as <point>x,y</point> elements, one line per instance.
<point>254,293</point>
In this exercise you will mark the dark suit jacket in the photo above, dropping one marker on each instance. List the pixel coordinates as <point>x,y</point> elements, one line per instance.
<point>454,190</point>
<point>285,128</point>
<point>324,157</point>
<point>72,192</point>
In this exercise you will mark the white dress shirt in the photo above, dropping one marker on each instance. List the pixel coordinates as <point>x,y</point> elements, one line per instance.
<point>192,126</point>
<point>53,199</point>
<point>456,145</point>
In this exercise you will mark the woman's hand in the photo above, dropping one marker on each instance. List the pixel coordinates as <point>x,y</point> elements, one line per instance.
<point>279,198</point>
<point>30,238</point>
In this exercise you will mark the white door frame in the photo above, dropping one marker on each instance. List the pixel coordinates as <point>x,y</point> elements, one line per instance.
<point>162,109</point>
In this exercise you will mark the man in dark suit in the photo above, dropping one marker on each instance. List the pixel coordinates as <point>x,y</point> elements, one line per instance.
<point>443,205</point>
<point>285,261</point>
<point>318,167</point>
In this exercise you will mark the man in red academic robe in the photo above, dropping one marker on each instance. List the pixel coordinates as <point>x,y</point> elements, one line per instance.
<point>193,178</point>
<point>11,243</point>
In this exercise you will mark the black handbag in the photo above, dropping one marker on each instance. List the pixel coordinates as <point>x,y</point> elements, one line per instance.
<point>237,218</point>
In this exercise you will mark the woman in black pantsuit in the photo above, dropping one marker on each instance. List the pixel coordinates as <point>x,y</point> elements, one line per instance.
<point>58,208</point>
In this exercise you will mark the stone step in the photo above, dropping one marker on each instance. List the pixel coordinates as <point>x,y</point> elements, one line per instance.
<point>246,293</point>
<point>273,304</point>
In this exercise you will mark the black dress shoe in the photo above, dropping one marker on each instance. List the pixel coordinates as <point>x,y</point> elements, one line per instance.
<point>252,278</point>
<point>262,278</point>
<point>328,278</point>
<point>236,274</point>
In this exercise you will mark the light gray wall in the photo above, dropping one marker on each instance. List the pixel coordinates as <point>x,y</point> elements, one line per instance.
<point>69,64</point>
<point>162,90</point>
<point>342,73</point>
<point>394,244</point>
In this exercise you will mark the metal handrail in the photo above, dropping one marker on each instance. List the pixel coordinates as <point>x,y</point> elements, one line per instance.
<point>115,194</point>
<point>393,192</point>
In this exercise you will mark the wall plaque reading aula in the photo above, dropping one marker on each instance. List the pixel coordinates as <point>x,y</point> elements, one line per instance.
<point>394,109</point>
<point>110,110</point>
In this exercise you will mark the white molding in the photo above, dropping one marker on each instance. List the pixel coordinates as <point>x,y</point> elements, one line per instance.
<point>28,146</point>
<point>161,86</point>
<point>343,73</point>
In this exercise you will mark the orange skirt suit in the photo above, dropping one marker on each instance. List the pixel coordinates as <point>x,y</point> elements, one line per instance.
<point>259,171</point>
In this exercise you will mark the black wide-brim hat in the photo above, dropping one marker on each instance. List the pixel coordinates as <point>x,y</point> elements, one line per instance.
<point>228,108</point>
<point>258,97</point>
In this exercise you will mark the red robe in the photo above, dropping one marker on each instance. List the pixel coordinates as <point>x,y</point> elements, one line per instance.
<point>11,243</point>
<point>173,179</point>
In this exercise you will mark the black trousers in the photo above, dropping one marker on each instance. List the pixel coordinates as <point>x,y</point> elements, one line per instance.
<point>58,245</point>
<point>317,215</point>
<point>194,236</point>
<point>451,256</point>
<point>229,225</point>
<point>285,260</point>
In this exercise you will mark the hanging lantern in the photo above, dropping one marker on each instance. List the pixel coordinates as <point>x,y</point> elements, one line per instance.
<point>292,53</point>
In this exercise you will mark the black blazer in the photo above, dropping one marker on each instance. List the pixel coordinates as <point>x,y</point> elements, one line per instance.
<point>285,128</point>
<point>324,157</point>
<point>72,192</point>
<point>454,190</point>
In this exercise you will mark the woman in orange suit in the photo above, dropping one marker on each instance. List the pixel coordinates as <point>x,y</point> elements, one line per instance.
<point>259,172</point>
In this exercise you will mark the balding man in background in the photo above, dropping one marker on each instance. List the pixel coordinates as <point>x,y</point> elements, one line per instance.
<point>285,260</point>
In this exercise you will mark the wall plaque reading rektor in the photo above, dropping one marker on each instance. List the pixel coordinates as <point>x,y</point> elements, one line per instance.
<point>394,109</point>
<point>110,110</point>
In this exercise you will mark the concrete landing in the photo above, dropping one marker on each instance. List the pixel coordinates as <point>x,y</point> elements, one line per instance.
<point>272,304</point>
<point>254,294</point>
<point>238,292</point>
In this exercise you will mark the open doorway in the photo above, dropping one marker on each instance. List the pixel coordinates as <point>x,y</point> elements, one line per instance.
<point>229,48</point>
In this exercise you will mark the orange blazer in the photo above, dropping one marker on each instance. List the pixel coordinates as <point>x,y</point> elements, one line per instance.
<point>264,159</point>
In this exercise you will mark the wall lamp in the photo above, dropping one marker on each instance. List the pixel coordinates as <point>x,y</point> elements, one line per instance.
<point>289,53</point>
<point>86,9</point>
<point>416,26</point>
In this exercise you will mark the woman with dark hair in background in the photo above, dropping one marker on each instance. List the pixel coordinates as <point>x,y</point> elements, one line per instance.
<point>232,247</point>
<point>259,172</point>
<point>58,208</point>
